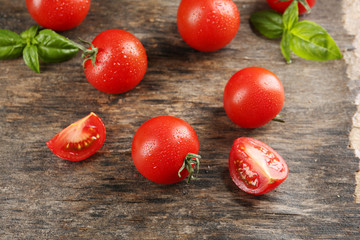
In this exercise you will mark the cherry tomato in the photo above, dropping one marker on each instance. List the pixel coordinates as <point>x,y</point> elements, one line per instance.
<point>208,25</point>
<point>80,140</point>
<point>164,145</point>
<point>121,62</point>
<point>255,167</point>
<point>282,6</point>
<point>58,15</point>
<point>253,96</point>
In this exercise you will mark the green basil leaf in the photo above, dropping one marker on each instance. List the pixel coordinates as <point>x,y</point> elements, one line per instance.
<point>312,42</point>
<point>31,58</point>
<point>268,23</point>
<point>11,44</point>
<point>30,33</point>
<point>285,46</point>
<point>291,15</point>
<point>53,47</point>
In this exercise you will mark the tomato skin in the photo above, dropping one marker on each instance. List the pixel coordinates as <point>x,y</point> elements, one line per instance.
<point>58,15</point>
<point>160,146</point>
<point>208,25</point>
<point>255,167</point>
<point>121,62</point>
<point>253,96</point>
<point>79,140</point>
<point>282,6</point>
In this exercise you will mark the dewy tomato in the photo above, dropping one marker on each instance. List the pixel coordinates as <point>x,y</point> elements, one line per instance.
<point>79,140</point>
<point>208,25</point>
<point>121,62</point>
<point>58,15</point>
<point>282,6</point>
<point>164,150</point>
<point>253,96</point>
<point>255,167</point>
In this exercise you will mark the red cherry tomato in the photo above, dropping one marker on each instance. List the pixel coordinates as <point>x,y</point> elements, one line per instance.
<point>252,97</point>
<point>208,25</point>
<point>160,147</point>
<point>121,62</point>
<point>255,167</point>
<point>58,15</point>
<point>80,140</point>
<point>282,6</point>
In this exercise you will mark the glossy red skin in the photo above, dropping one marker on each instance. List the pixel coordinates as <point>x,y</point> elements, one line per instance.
<point>282,6</point>
<point>253,96</point>
<point>92,129</point>
<point>58,15</point>
<point>121,62</point>
<point>160,146</point>
<point>248,158</point>
<point>208,25</point>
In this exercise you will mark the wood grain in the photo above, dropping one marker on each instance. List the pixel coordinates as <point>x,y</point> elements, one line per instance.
<point>104,197</point>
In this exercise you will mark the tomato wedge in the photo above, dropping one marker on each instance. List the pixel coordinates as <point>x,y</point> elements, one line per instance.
<point>255,167</point>
<point>80,140</point>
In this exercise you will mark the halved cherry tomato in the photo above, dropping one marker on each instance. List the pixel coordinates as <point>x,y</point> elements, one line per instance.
<point>80,140</point>
<point>255,167</point>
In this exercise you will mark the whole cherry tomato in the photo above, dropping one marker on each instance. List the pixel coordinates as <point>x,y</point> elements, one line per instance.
<point>121,62</point>
<point>58,15</point>
<point>255,167</point>
<point>164,149</point>
<point>208,25</point>
<point>79,140</point>
<point>282,6</point>
<point>253,96</point>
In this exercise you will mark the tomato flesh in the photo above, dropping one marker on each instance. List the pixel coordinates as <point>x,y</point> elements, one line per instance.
<point>255,167</point>
<point>282,6</point>
<point>80,140</point>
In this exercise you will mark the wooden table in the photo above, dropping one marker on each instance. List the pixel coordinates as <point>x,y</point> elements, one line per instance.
<point>104,197</point>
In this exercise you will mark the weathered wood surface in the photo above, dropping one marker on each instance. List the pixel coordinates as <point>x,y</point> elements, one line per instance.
<point>44,197</point>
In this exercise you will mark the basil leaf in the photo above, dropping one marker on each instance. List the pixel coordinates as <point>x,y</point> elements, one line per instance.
<point>285,46</point>
<point>268,23</point>
<point>11,45</point>
<point>291,15</point>
<point>53,47</point>
<point>31,57</point>
<point>311,41</point>
<point>30,33</point>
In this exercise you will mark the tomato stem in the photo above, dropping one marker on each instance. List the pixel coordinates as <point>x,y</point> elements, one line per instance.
<point>88,53</point>
<point>278,118</point>
<point>191,160</point>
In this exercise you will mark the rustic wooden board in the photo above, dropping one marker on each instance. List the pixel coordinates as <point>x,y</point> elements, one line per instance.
<point>104,197</point>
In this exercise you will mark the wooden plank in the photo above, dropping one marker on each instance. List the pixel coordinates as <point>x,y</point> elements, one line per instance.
<point>44,197</point>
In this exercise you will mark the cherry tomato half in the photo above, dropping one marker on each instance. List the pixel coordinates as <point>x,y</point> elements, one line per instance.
<point>58,15</point>
<point>121,62</point>
<point>208,25</point>
<point>80,140</point>
<point>255,167</point>
<point>253,96</point>
<point>161,145</point>
<point>282,6</point>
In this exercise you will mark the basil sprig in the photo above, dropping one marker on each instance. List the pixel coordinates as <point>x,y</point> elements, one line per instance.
<point>306,39</point>
<point>33,44</point>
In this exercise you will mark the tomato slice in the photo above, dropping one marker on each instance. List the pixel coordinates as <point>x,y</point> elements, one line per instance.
<point>80,140</point>
<point>255,167</point>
